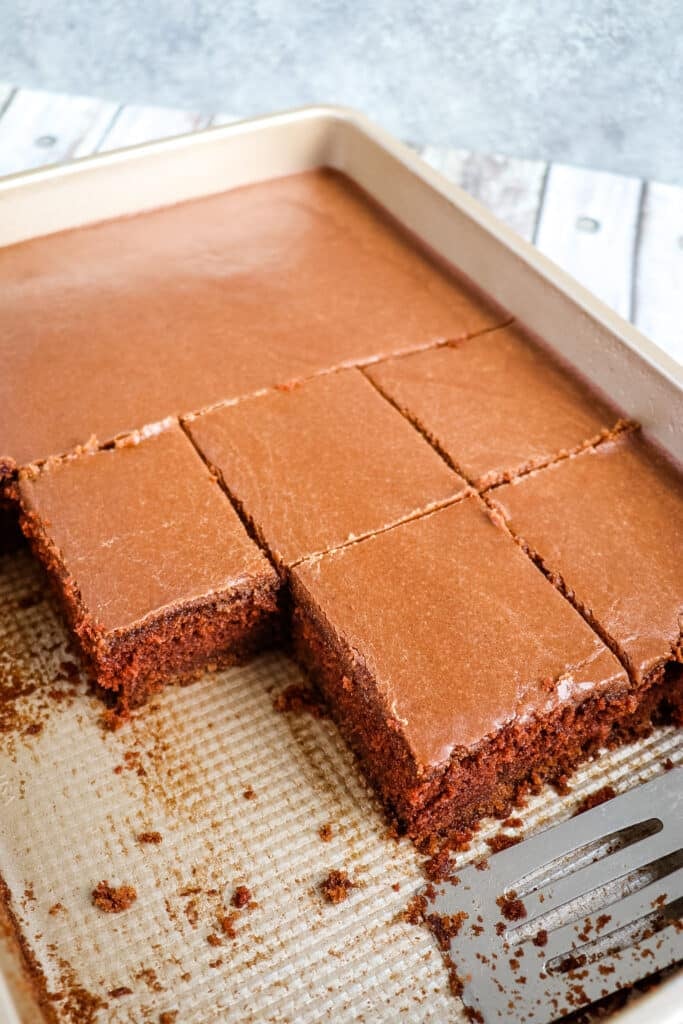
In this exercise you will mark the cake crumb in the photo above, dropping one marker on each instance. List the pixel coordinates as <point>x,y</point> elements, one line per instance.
<point>168,1017</point>
<point>122,990</point>
<point>414,912</point>
<point>511,907</point>
<point>227,924</point>
<point>446,926</point>
<point>326,832</point>
<point>249,793</point>
<point>150,837</point>
<point>214,940</point>
<point>540,939</point>
<point>336,887</point>
<point>113,899</point>
<point>502,841</point>
<point>300,699</point>
<point>56,908</point>
<point>241,897</point>
<point>216,963</point>
<point>600,796</point>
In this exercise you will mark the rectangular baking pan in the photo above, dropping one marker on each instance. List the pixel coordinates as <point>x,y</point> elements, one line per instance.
<point>645,382</point>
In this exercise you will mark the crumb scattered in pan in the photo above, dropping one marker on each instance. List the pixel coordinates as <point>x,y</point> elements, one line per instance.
<point>512,822</point>
<point>481,864</point>
<point>216,963</point>
<point>446,926</point>
<point>540,938</point>
<point>249,793</point>
<point>122,990</point>
<point>668,765</point>
<point>415,911</point>
<point>153,838</point>
<point>214,940</point>
<point>396,887</point>
<point>336,887</point>
<point>192,913</point>
<point>77,1003</point>
<point>227,924</point>
<point>113,899</point>
<point>600,796</point>
<point>501,841</point>
<point>326,832</point>
<point>241,897</point>
<point>561,785</point>
<point>111,721</point>
<point>300,699</point>
<point>56,908</point>
<point>511,907</point>
<point>149,976</point>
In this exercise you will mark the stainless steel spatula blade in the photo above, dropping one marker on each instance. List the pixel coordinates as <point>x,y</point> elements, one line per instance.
<point>572,914</point>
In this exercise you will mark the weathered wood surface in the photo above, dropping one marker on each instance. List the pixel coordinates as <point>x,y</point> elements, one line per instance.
<point>621,237</point>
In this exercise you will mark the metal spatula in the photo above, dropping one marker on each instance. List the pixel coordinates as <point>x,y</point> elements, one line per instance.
<point>571,914</point>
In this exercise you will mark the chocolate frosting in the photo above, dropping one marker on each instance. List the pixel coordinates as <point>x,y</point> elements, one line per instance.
<point>610,523</point>
<point>141,528</point>
<point>458,628</point>
<point>110,327</point>
<point>314,466</point>
<point>497,404</point>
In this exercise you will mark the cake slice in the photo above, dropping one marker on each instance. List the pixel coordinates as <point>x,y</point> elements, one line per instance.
<point>156,574</point>
<point>454,669</point>
<point>607,527</point>
<point>315,466</point>
<point>496,406</point>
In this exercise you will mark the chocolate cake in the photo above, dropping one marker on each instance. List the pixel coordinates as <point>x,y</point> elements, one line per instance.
<point>607,528</point>
<point>138,319</point>
<point>156,574</point>
<point>316,466</point>
<point>496,406</point>
<point>282,367</point>
<point>454,669</point>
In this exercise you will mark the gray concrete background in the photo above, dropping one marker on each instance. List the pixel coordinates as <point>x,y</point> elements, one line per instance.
<point>586,82</point>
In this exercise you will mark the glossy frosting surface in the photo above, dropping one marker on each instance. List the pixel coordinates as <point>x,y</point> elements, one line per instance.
<point>107,328</point>
<point>459,630</point>
<point>495,404</point>
<point>318,464</point>
<point>610,522</point>
<point>142,527</point>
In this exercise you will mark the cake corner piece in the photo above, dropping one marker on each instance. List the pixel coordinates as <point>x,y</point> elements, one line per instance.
<point>155,573</point>
<point>451,596</point>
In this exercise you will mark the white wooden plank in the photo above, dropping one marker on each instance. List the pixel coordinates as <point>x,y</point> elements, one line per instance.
<point>659,268</point>
<point>40,128</point>
<point>142,124</point>
<point>588,224</point>
<point>6,91</point>
<point>224,118</point>
<point>510,188</point>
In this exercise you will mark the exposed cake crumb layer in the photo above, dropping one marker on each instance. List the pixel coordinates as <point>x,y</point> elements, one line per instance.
<point>155,572</point>
<point>497,406</point>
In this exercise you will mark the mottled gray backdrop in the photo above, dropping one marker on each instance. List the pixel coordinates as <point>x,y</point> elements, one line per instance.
<point>586,81</point>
